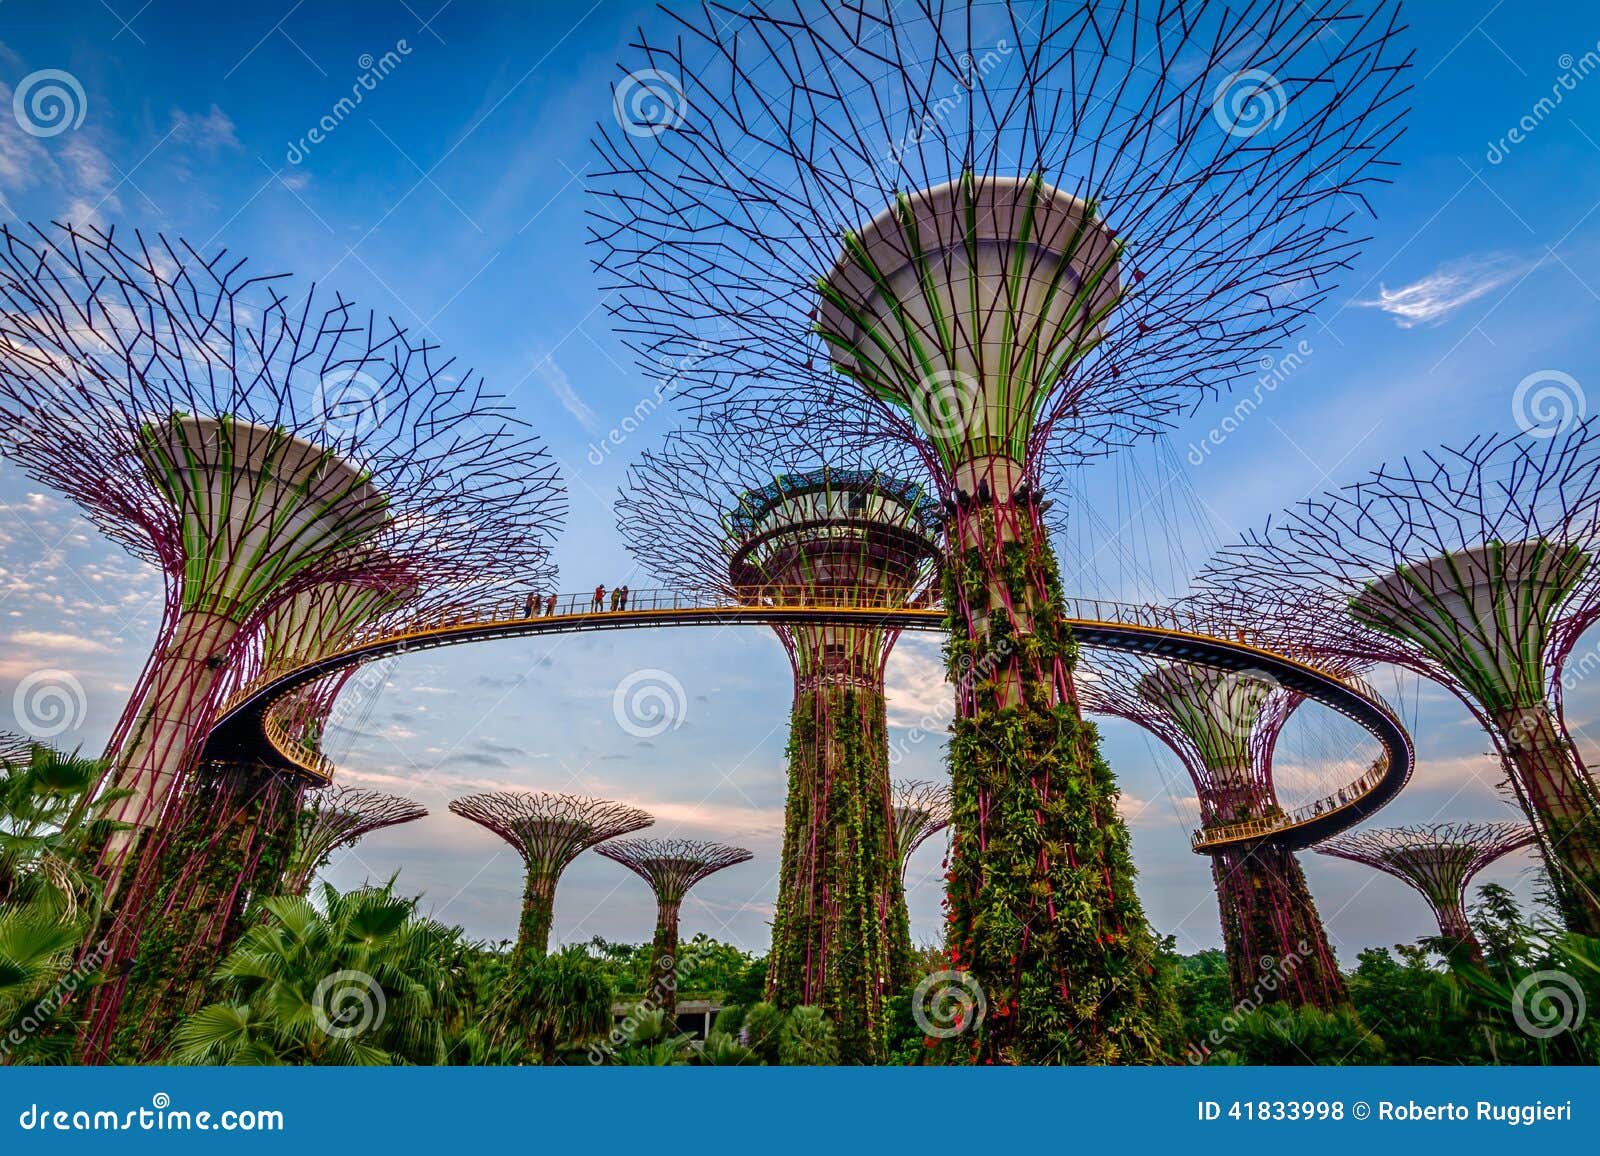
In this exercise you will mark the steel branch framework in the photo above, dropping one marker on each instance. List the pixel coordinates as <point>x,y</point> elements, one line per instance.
<point>1017,232</point>
<point>921,810</point>
<point>252,443</point>
<point>1473,566</point>
<point>1438,860</point>
<point>337,816</point>
<point>549,831</point>
<point>671,867</point>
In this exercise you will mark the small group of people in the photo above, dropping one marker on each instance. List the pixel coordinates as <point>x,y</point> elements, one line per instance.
<point>531,605</point>
<point>619,599</point>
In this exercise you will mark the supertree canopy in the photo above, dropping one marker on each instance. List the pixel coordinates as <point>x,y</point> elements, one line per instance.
<point>337,816</point>
<point>671,867</point>
<point>1019,232</point>
<point>1438,860</point>
<point>549,831</point>
<point>921,810</point>
<point>252,444</point>
<point>765,521</point>
<point>1472,567</point>
<point>1224,727</point>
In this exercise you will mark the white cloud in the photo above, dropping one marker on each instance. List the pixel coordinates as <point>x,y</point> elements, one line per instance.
<point>556,379</point>
<point>54,640</point>
<point>917,690</point>
<point>1447,289</point>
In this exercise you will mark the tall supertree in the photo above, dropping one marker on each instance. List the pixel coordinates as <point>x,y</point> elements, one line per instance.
<point>766,521</point>
<point>671,867</point>
<point>1224,728</point>
<point>252,443</point>
<point>337,816</point>
<point>1020,233</point>
<point>549,831</point>
<point>1475,568</point>
<point>1438,860</point>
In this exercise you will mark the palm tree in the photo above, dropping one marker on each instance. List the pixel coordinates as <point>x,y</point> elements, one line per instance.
<point>50,826</point>
<point>549,1005</point>
<point>367,982</point>
<point>36,951</point>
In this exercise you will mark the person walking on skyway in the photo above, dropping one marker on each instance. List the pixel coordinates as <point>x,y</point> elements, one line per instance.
<point>529,605</point>
<point>616,598</point>
<point>622,599</point>
<point>599,599</point>
<point>550,607</point>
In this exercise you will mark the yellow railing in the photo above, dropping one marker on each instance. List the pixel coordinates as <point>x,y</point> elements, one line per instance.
<point>1208,837</point>
<point>567,608</point>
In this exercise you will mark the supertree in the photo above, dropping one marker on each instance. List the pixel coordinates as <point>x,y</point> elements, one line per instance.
<point>767,521</point>
<point>1473,567</point>
<point>549,831</point>
<point>1224,727</point>
<point>1021,233</point>
<point>1438,860</point>
<point>921,810</point>
<point>252,445</point>
<point>671,867</point>
<point>337,816</point>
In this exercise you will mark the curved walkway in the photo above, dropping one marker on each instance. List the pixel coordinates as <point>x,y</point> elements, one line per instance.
<point>248,730</point>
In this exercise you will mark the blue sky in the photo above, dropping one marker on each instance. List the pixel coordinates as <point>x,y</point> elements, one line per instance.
<point>453,198</point>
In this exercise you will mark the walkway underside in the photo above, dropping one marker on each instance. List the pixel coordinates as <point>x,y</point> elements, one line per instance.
<point>247,731</point>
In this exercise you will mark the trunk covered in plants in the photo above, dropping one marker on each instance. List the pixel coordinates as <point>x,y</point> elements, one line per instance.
<point>1277,949</point>
<point>1560,796</point>
<point>227,843</point>
<point>538,914</point>
<point>839,891</point>
<point>662,983</point>
<point>1042,910</point>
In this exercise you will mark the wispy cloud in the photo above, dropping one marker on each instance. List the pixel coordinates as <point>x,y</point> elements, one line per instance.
<point>1447,289</point>
<point>555,378</point>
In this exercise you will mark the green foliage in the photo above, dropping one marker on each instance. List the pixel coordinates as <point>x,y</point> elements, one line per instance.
<point>808,1039</point>
<point>729,1021</point>
<point>763,1023</point>
<point>654,1042</point>
<point>1280,1035</point>
<point>721,1050</point>
<point>548,1006</point>
<point>707,969</point>
<point>365,982</point>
